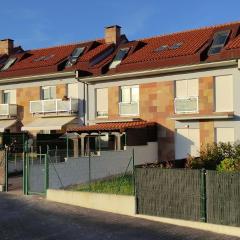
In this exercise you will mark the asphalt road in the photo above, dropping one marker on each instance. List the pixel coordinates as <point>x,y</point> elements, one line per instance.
<point>35,218</point>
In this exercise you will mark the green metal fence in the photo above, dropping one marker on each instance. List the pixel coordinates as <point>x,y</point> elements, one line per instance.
<point>198,195</point>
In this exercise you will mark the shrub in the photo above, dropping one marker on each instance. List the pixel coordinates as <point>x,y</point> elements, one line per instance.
<point>212,155</point>
<point>229,165</point>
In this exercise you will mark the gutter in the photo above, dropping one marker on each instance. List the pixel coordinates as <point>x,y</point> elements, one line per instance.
<point>161,71</point>
<point>37,77</point>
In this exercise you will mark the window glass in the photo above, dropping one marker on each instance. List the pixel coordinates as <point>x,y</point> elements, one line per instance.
<point>9,96</point>
<point>48,92</point>
<point>119,57</point>
<point>8,64</point>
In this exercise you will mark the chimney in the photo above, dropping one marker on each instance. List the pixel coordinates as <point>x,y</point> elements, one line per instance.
<point>113,34</point>
<point>6,46</point>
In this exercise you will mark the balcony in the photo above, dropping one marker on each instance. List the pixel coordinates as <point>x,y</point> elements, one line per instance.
<point>129,109</point>
<point>8,110</point>
<point>186,105</point>
<point>54,106</point>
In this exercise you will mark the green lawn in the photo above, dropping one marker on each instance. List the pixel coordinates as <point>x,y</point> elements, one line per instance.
<point>115,185</point>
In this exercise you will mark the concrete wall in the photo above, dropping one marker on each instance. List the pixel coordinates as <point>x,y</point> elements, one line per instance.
<point>105,202</point>
<point>76,170</point>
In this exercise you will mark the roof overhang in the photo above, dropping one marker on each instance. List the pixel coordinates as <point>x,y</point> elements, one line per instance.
<point>38,77</point>
<point>153,72</point>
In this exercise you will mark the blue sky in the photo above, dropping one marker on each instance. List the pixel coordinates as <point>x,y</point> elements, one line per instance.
<point>36,24</point>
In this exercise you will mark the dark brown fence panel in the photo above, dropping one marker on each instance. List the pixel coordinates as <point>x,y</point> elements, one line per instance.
<point>173,193</point>
<point>223,198</point>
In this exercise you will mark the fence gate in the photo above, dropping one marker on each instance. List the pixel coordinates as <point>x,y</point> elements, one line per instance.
<point>14,145</point>
<point>36,173</point>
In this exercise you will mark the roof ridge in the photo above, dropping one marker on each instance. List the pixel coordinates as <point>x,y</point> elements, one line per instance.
<point>191,30</point>
<point>65,45</point>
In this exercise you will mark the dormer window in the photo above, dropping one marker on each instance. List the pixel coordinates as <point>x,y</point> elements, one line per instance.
<point>74,56</point>
<point>219,41</point>
<point>8,63</point>
<point>119,57</point>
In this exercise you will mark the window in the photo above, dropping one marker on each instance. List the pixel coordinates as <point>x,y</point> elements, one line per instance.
<point>224,135</point>
<point>224,93</point>
<point>102,102</point>
<point>186,88</point>
<point>186,100</point>
<point>219,41</point>
<point>102,56</point>
<point>9,96</point>
<point>129,94</point>
<point>176,45</point>
<point>48,92</point>
<point>74,56</point>
<point>129,100</point>
<point>43,58</point>
<point>119,57</point>
<point>8,63</point>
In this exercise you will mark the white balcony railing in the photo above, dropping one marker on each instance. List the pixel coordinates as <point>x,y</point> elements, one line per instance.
<point>54,106</point>
<point>129,109</point>
<point>186,105</point>
<point>8,110</point>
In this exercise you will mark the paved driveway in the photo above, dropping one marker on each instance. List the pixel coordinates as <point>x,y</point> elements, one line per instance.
<point>33,218</point>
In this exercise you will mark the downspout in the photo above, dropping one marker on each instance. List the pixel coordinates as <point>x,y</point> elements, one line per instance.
<point>85,98</point>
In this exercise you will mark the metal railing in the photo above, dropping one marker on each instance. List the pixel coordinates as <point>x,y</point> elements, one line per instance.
<point>8,110</point>
<point>131,109</point>
<point>54,106</point>
<point>186,105</point>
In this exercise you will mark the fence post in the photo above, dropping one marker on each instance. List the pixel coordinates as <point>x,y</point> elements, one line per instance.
<point>89,164</point>
<point>134,182</point>
<point>203,197</point>
<point>6,170</point>
<point>46,172</point>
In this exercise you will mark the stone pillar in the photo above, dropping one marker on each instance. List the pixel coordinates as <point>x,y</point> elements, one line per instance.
<point>75,148</point>
<point>82,137</point>
<point>118,140</point>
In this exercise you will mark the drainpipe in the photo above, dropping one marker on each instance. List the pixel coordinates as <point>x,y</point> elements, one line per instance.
<point>85,98</point>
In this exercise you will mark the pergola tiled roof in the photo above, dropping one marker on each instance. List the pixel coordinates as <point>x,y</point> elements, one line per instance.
<point>111,126</point>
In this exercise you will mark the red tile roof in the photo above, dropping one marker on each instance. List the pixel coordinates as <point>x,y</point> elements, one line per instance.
<point>142,56</point>
<point>111,126</point>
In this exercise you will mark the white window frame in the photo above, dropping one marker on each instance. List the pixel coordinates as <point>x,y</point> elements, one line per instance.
<point>48,87</point>
<point>188,96</point>
<point>129,102</point>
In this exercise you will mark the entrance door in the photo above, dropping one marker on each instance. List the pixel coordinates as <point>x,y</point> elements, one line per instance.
<point>187,141</point>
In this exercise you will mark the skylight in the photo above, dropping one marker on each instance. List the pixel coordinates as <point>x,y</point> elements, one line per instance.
<point>9,63</point>
<point>168,47</point>
<point>163,47</point>
<point>43,58</point>
<point>119,57</point>
<point>219,41</point>
<point>74,56</point>
<point>176,45</point>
